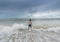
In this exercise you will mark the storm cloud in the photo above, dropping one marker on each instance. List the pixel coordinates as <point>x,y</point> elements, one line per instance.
<point>29,8</point>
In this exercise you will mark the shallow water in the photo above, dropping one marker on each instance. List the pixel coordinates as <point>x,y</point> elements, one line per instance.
<point>25,21</point>
<point>47,30</point>
<point>23,35</point>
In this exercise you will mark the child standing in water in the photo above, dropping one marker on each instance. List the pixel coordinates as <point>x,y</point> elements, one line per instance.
<point>30,24</point>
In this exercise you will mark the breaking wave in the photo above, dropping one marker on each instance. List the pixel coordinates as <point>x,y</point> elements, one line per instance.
<point>8,32</point>
<point>10,29</point>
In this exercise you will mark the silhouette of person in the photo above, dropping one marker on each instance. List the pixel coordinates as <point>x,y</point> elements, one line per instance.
<point>30,24</point>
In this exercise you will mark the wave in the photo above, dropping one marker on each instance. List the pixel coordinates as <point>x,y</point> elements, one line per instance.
<point>54,28</point>
<point>10,29</point>
<point>8,32</point>
<point>45,26</point>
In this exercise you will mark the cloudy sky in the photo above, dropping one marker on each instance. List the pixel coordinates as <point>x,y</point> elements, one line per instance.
<point>29,8</point>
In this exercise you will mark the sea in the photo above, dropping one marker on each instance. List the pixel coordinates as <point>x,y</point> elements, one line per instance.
<point>9,26</point>
<point>35,22</point>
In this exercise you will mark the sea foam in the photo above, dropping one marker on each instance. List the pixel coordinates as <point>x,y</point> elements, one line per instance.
<point>10,29</point>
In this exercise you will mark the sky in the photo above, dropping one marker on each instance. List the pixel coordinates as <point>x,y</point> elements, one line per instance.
<point>29,8</point>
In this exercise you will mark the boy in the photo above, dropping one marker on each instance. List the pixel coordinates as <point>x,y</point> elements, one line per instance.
<point>30,24</point>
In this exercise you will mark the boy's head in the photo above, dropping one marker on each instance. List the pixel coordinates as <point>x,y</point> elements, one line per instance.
<point>29,19</point>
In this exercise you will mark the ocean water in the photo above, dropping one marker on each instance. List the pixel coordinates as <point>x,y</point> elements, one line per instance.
<point>36,23</point>
<point>11,26</point>
<point>25,21</point>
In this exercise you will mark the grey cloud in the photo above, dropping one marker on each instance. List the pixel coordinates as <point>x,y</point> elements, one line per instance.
<point>21,4</point>
<point>24,7</point>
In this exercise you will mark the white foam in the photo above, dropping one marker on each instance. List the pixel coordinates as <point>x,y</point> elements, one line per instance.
<point>10,29</point>
<point>57,29</point>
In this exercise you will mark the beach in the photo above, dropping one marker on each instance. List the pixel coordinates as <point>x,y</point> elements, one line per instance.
<point>17,31</point>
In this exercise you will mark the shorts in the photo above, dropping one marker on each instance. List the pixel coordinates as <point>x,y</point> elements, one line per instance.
<point>29,25</point>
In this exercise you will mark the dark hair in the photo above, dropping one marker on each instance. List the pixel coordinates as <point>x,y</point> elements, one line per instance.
<point>29,19</point>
